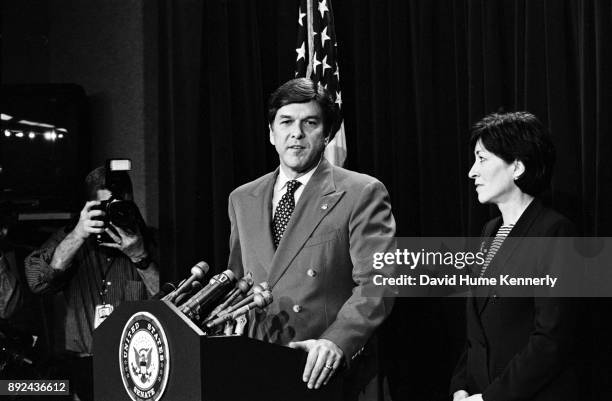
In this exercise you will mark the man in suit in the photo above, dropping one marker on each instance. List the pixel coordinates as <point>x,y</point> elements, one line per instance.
<point>310,229</point>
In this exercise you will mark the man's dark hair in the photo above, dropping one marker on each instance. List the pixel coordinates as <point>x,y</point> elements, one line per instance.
<point>304,90</point>
<point>519,136</point>
<point>96,180</point>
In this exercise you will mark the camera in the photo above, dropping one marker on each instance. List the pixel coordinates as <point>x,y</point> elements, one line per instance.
<point>118,210</point>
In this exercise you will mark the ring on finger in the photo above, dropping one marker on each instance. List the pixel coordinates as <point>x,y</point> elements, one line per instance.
<point>329,366</point>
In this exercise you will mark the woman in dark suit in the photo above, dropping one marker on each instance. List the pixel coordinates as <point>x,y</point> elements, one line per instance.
<point>518,348</point>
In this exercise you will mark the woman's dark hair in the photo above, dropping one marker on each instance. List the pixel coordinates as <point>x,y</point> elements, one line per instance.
<point>304,90</point>
<point>519,136</point>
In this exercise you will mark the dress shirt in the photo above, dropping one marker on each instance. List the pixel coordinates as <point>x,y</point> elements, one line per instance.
<point>280,187</point>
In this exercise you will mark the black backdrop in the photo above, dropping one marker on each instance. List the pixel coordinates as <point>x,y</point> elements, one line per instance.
<point>415,76</point>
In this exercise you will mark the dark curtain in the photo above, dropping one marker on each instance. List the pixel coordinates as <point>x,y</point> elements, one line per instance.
<point>415,76</point>
<point>219,60</point>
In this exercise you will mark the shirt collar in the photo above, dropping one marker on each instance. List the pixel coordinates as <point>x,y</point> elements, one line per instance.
<point>282,179</point>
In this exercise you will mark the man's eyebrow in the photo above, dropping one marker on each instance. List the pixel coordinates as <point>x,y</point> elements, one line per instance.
<point>314,116</point>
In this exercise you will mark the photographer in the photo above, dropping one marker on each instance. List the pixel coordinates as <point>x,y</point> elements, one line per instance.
<point>97,265</point>
<point>10,288</point>
<point>95,276</point>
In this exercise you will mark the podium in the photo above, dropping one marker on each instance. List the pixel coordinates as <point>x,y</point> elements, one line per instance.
<point>148,350</point>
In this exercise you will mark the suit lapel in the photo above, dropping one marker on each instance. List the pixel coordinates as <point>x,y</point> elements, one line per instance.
<point>480,293</point>
<point>259,210</point>
<point>518,233</point>
<point>317,200</point>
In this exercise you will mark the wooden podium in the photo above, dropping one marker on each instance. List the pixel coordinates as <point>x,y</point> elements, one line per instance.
<point>198,367</point>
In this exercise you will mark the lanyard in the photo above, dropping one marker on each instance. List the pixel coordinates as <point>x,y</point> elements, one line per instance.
<point>102,286</point>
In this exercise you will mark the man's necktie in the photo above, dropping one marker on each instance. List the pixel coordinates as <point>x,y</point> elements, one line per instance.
<point>283,211</point>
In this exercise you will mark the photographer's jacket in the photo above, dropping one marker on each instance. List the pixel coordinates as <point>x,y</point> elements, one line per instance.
<point>10,288</point>
<point>96,276</point>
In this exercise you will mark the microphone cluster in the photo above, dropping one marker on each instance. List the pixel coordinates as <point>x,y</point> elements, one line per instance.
<point>187,287</point>
<point>222,303</point>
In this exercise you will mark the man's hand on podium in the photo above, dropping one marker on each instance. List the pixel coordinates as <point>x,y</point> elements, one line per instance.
<point>324,358</point>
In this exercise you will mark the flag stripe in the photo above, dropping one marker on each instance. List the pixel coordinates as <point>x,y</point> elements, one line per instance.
<point>316,59</point>
<point>309,17</point>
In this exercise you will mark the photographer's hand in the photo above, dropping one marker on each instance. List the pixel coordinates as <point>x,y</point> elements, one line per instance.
<point>131,244</point>
<point>87,225</point>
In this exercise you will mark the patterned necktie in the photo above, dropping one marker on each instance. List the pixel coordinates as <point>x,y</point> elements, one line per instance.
<point>283,211</point>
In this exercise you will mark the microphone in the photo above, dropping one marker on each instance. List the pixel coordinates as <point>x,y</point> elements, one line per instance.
<point>218,286</point>
<point>242,288</point>
<point>197,273</point>
<point>260,300</point>
<point>257,288</point>
<point>168,295</point>
<point>165,289</point>
<point>195,287</point>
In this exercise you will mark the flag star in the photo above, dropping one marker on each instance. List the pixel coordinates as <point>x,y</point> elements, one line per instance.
<point>301,17</point>
<point>315,62</point>
<point>323,8</point>
<point>324,37</point>
<point>325,65</point>
<point>301,52</point>
<point>339,98</point>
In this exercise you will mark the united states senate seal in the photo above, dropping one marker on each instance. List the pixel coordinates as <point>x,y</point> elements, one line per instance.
<point>144,357</point>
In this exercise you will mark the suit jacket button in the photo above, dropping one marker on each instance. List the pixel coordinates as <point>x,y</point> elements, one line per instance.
<point>297,308</point>
<point>311,272</point>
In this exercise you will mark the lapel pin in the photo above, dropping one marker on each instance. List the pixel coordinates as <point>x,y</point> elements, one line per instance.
<point>324,206</point>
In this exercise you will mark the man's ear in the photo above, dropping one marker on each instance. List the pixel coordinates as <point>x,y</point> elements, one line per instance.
<point>519,169</point>
<point>271,134</point>
<point>328,136</point>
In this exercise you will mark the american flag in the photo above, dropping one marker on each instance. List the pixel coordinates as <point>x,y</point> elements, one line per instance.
<point>317,37</point>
